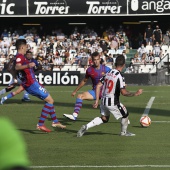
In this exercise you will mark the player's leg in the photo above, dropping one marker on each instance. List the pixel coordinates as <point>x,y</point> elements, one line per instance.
<point>105,114</point>
<point>26,97</point>
<point>55,122</point>
<point>11,86</point>
<point>7,89</point>
<point>120,112</point>
<point>89,95</point>
<point>12,94</point>
<point>37,90</point>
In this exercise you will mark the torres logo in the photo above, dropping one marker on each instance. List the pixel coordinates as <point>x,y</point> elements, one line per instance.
<point>159,6</point>
<point>57,7</point>
<point>6,8</point>
<point>104,7</point>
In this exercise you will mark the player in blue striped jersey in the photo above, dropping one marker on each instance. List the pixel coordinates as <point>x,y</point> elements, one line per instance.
<point>95,72</point>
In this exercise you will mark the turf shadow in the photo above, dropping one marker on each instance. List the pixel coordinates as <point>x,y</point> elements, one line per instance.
<point>37,132</point>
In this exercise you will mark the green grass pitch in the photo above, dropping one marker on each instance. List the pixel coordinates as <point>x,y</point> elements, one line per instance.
<point>101,147</point>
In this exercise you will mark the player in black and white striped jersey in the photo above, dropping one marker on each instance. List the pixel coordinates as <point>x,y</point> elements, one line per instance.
<point>113,84</point>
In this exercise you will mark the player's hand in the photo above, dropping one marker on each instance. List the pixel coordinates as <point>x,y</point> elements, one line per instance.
<point>139,92</point>
<point>73,93</point>
<point>31,65</point>
<point>96,103</point>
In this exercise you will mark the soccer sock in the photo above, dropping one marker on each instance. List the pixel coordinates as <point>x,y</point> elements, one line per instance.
<point>52,113</point>
<point>10,95</point>
<point>78,106</point>
<point>96,121</point>
<point>3,91</point>
<point>44,114</point>
<point>124,124</point>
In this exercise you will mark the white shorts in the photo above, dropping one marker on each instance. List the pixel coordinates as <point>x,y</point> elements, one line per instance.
<point>18,81</point>
<point>118,111</point>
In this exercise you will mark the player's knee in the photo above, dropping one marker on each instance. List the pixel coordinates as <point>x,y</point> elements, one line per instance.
<point>105,119</point>
<point>125,116</point>
<point>80,96</point>
<point>49,99</point>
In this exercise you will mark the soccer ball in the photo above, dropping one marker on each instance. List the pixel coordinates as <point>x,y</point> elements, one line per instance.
<point>145,121</point>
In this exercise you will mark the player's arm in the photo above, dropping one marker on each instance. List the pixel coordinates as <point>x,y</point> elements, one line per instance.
<point>124,92</point>
<point>98,87</point>
<point>19,66</point>
<point>82,83</point>
<point>38,66</point>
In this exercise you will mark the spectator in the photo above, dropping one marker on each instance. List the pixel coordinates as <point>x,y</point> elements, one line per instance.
<point>109,60</point>
<point>57,60</point>
<point>141,50</point>
<point>166,39</point>
<point>83,62</point>
<point>144,58</point>
<point>4,34</point>
<point>157,35</point>
<point>157,50</point>
<point>150,58</point>
<point>148,35</point>
<point>46,66</point>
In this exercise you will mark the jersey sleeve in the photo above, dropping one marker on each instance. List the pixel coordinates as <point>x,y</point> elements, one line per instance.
<point>36,63</point>
<point>122,82</point>
<point>102,79</point>
<point>107,69</point>
<point>19,59</point>
<point>87,75</point>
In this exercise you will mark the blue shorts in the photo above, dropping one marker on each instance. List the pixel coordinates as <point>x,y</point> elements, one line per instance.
<point>37,90</point>
<point>93,93</point>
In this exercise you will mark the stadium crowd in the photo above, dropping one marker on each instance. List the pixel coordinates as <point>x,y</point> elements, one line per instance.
<point>59,51</point>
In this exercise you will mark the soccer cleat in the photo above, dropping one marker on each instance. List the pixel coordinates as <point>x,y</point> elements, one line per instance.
<point>26,100</point>
<point>127,134</point>
<point>82,131</point>
<point>69,116</point>
<point>2,100</point>
<point>58,124</point>
<point>43,128</point>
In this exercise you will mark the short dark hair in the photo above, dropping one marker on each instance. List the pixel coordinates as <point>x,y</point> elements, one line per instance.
<point>120,60</point>
<point>95,54</point>
<point>28,51</point>
<point>20,42</point>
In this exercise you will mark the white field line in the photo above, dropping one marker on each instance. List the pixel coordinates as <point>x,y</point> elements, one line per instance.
<point>148,106</point>
<point>107,166</point>
<point>161,121</point>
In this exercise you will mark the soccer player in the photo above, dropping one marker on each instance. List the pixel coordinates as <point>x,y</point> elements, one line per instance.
<point>30,84</point>
<point>95,72</point>
<point>113,84</point>
<point>15,80</point>
<point>20,89</point>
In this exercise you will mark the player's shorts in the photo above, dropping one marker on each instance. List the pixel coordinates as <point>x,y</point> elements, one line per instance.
<point>118,111</point>
<point>37,90</point>
<point>13,81</point>
<point>93,93</point>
